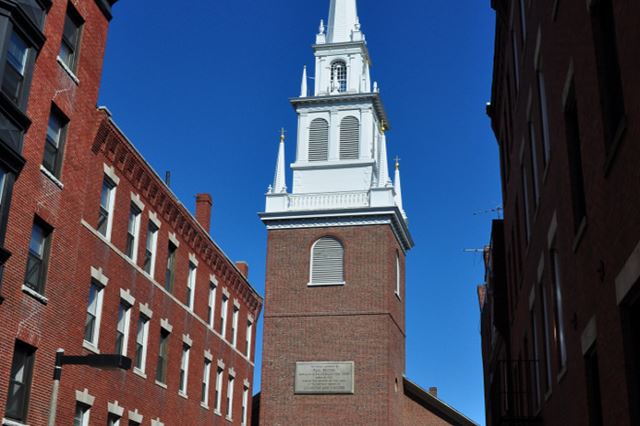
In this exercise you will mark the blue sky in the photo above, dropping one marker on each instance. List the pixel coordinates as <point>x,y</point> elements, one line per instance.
<point>202,89</point>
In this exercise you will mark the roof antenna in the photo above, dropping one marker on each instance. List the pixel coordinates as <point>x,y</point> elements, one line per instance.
<point>167,178</point>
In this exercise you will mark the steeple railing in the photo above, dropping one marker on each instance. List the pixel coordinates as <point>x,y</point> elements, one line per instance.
<point>334,200</point>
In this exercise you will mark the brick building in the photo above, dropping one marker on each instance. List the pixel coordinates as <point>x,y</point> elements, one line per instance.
<point>560,309</point>
<point>98,255</point>
<point>334,334</point>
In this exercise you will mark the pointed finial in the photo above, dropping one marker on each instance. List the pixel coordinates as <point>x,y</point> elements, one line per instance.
<point>282,135</point>
<point>398,162</point>
<point>321,29</point>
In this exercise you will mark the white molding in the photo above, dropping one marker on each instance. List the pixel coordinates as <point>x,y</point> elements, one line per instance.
<point>186,339</point>
<point>146,310</point>
<point>85,398</point>
<point>164,323</point>
<point>135,416</point>
<point>157,422</point>
<point>589,335</point>
<point>135,199</point>
<point>221,364</point>
<point>127,297</point>
<point>208,355</point>
<point>236,304</point>
<point>99,276</point>
<point>31,292</point>
<point>226,292</point>
<point>251,318</point>
<point>115,408</point>
<point>213,280</point>
<point>232,372</point>
<point>90,347</point>
<point>628,275</point>
<point>110,172</point>
<point>247,384</point>
<point>51,177</point>
<point>193,259</point>
<point>9,422</point>
<point>153,217</point>
<point>68,70</point>
<point>174,239</point>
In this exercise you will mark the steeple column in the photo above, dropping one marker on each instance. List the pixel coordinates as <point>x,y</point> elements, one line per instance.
<point>366,134</point>
<point>334,136</point>
<point>303,144</point>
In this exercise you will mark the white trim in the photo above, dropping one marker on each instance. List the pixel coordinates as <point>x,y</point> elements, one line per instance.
<point>99,276</point>
<point>137,201</point>
<point>628,275</point>
<point>236,304</point>
<point>235,316</point>
<point>93,345</point>
<point>85,397</point>
<point>174,239</point>
<point>51,177</point>
<point>137,219</point>
<point>157,422</point>
<point>246,384</point>
<point>127,297</point>
<point>153,217</point>
<point>231,381</point>
<point>226,292</point>
<point>213,279</point>
<point>110,172</point>
<point>192,280</point>
<point>193,259</point>
<point>90,347</point>
<point>144,343</point>
<point>135,416</point>
<point>183,386</point>
<point>208,355</point>
<point>9,422</point>
<point>219,387</point>
<point>115,408</point>
<point>186,339</point>
<point>206,381</point>
<point>251,318</point>
<point>66,69</point>
<point>164,324</point>
<point>232,372</point>
<point>31,292</point>
<point>589,335</point>
<point>146,310</point>
<point>220,364</point>
<point>127,327</point>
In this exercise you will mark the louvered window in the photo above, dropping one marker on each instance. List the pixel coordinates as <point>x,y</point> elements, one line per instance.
<point>319,140</point>
<point>350,139</point>
<point>327,262</point>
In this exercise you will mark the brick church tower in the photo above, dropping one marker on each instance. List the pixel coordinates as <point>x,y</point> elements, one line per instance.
<point>334,330</point>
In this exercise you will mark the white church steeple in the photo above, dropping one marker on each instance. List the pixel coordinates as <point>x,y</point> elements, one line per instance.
<point>341,157</point>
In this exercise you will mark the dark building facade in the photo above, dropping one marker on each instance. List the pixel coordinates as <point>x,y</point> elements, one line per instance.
<point>99,256</point>
<point>560,309</point>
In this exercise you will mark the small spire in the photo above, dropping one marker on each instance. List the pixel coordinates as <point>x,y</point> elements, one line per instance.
<point>321,29</point>
<point>383,179</point>
<point>279,180</point>
<point>397,159</point>
<point>304,92</point>
<point>397,185</point>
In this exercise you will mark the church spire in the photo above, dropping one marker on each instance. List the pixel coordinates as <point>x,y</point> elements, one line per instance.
<point>383,174</point>
<point>304,92</point>
<point>343,20</point>
<point>397,185</point>
<point>279,180</point>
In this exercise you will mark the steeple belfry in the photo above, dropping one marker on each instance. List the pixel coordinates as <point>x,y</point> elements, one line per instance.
<point>343,20</point>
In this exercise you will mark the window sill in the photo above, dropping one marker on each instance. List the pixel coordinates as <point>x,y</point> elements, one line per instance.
<point>203,405</point>
<point>90,347</point>
<point>39,297</point>
<point>326,284</point>
<point>162,385</point>
<point>139,372</point>
<point>217,412</point>
<point>398,296</point>
<point>51,177</point>
<point>70,73</point>
<point>8,422</point>
<point>183,395</point>
<point>229,419</point>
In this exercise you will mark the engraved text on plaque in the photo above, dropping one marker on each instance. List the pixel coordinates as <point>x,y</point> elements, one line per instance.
<point>317,378</point>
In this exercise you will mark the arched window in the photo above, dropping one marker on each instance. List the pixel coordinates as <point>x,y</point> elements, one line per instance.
<point>319,140</point>
<point>350,138</point>
<point>327,262</point>
<point>339,73</point>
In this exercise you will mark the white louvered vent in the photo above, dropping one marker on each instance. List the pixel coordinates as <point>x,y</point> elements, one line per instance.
<point>349,139</point>
<point>319,140</point>
<point>327,262</point>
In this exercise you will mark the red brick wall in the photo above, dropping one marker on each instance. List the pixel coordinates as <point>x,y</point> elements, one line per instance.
<point>75,248</point>
<point>414,414</point>
<point>362,321</point>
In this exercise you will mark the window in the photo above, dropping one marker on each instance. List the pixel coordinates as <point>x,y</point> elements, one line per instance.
<point>170,274</point>
<point>558,312</point>
<point>20,382</point>
<point>230,397</point>
<point>234,326</point>
<point>94,314</point>
<point>245,403</point>
<point>15,69</point>
<point>339,76</point>
<point>191,285</point>
<point>544,117</point>
<point>149,264</point>
<point>122,328</point>
<point>184,369</point>
<point>574,147</point>
<point>223,315</point>
<point>82,415</point>
<point>350,138</point>
<point>593,388</point>
<point>319,140</point>
<point>206,374</point>
<point>212,304</point>
<point>54,143</point>
<point>133,231</point>
<point>219,378</point>
<point>71,38</point>
<point>113,420</point>
<point>398,275</point>
<point>38,257</point>
<point>327,262</point>
<point>107,199</point>
<point>142,338</point>
<point>163,356</point>
<point>610,82</point>
<point>249,338</point>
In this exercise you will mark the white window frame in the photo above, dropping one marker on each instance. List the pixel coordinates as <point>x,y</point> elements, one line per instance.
<point>249,337</point>
<point>126,306</point>
<point>144,343</point>
<point>234,325</point>
<point>191,285</point>
<point>137,217</point>
<point>245,405</point>
<point>223,315</point>
<point>311,264</point>
<point>219,383</point>
<point>86,413</point>
<point>116,422</point>
<point>112,183</point>
<point>213,287</point>
<point>230,391</point>
<point>184,370</point>
<point>100,287</point>
<point>206,379</point>
<point>152,245</point>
